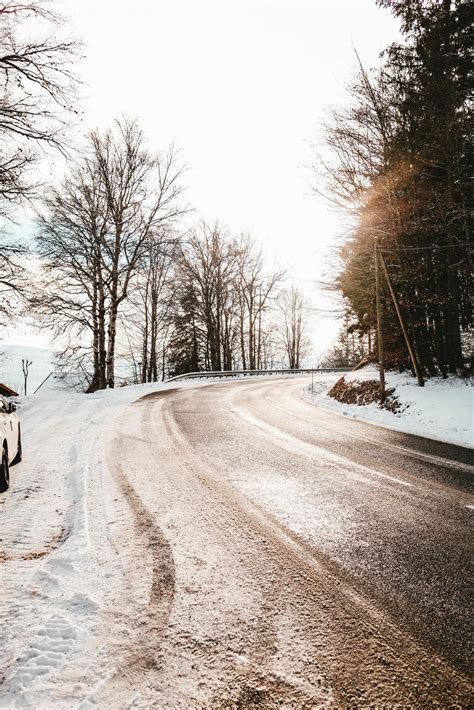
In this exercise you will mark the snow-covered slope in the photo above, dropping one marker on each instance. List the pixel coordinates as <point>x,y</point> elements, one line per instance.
<point>442,409</point>
<point>10,365</point>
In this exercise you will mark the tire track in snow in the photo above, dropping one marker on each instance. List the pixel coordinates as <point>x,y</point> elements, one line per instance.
<point>25,532</point>
<point>147,624</point>
<point>214,651</point>
<point>32,526</point>
<point>60,617</point>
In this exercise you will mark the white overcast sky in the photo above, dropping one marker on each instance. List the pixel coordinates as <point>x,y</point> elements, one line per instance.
<point>240,88</point>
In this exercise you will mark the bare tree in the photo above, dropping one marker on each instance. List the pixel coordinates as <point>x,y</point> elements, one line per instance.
<point>256,291</point>
<point>13,282</point>
<point>71,240</point>
<point>225,295</point>
<point>141,191</point>
<point>207,267</point>
<point>37,92</point>
<point>292,310</point>
<point>37,99</point>
<point>149,309</point>
<point>96,230</point>
<point>25,366</point>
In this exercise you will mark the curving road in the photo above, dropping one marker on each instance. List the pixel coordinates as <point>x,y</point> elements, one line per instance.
<point>298,558</point>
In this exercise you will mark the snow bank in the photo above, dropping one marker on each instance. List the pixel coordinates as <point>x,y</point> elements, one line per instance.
<point>442,409</point>
<point>69,569</point>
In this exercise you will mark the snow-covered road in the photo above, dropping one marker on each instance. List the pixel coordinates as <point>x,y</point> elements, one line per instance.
<point>230,546</point>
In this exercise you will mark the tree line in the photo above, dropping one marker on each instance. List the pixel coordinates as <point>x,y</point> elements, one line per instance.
<point>225,296</point>
<point>121,279</point>
<point>401,167</point>
<point>124,277</point>
<point>119,270</point>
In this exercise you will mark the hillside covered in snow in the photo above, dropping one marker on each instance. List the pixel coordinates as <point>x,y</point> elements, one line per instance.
<point>42,364</point>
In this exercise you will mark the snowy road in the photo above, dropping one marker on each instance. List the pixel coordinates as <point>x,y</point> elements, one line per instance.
<point>238,547</point>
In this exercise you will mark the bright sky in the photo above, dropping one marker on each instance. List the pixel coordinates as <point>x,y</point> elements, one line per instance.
<point>240,88</point>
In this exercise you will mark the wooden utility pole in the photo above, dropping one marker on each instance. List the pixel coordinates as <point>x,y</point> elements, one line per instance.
<point>378,303</point>
<point>411,351</point>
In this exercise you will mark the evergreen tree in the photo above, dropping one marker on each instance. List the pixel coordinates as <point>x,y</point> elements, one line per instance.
<point>403,167</point>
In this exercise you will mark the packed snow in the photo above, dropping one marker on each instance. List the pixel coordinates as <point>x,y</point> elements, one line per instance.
<point>442,409</point>
<point>73,571</point>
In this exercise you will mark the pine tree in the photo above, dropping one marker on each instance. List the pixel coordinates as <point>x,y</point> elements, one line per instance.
<point>403,168</point>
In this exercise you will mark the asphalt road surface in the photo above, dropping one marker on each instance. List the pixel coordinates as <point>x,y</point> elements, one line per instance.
<point>300,558</point>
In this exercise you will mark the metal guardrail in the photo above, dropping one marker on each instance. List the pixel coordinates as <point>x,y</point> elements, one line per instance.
<point>244,373</point>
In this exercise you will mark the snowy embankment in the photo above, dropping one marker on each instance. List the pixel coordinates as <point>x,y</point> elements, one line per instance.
<point>442,409</point>
<point>69,569</point>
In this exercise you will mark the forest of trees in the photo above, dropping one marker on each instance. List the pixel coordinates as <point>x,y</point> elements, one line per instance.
<point>117,272</point>
<point>122,272</point>
<point>230,312</point>
<point>402,168</point>
<point>119,278</point>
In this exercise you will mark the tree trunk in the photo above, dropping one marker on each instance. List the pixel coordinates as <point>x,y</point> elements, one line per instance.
<point>101,332</point>
<point>111,337</point>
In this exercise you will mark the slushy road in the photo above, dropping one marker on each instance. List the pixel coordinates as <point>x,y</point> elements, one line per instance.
<point>300,559</point>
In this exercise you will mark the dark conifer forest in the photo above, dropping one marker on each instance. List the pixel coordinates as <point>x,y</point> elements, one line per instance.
<point>403,170</point>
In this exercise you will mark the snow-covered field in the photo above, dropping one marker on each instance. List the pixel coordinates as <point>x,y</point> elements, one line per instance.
<point>442,409</point>
<point>10,365</point>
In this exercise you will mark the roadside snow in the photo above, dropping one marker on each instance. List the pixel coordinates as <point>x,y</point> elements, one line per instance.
<point>442,409</point>
<point>69,568</point>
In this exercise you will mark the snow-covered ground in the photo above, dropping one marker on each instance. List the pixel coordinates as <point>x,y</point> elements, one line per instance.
<point>74,571</point>
<point>69,573</point>
<point>442,409</point>
<point>10,365</point>
<point>43,363</point>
